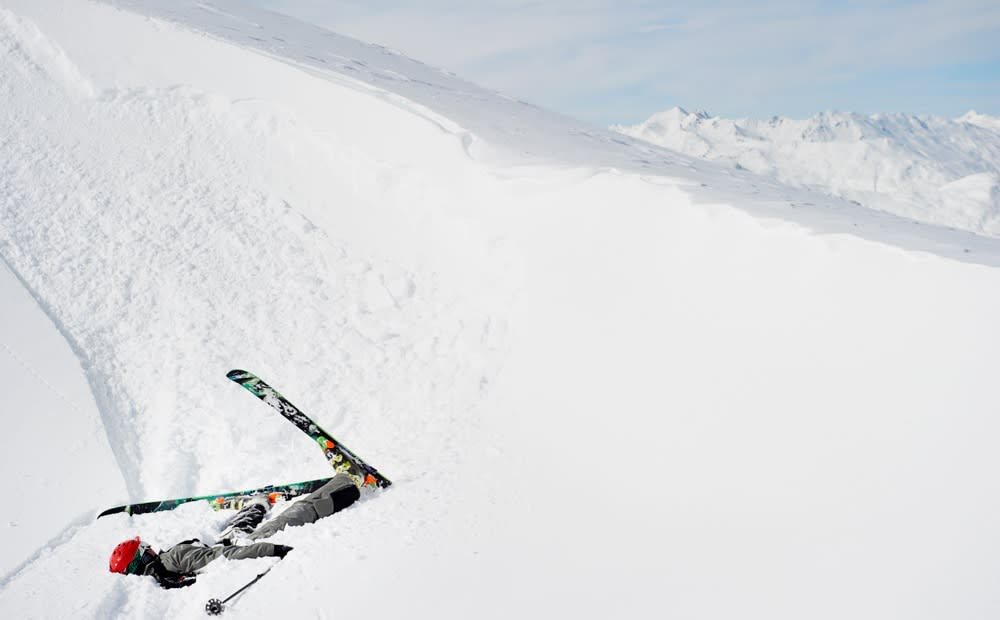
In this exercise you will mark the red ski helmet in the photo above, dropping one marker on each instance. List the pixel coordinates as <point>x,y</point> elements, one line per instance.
<point>126,558</point>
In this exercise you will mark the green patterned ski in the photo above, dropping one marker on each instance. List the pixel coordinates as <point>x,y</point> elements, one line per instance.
<point>342,459</point>
<point>233,500</point>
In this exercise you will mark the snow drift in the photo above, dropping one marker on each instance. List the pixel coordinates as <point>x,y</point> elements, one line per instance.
<point>930,169</point>
<point>605,378</point>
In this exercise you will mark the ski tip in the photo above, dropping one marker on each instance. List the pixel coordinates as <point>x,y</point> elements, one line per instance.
<point>373,482</point>
<point>236,372</point>
<point>111,511</point>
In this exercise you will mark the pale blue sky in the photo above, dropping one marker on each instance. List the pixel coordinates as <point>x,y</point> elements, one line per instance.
<point>619,61</point>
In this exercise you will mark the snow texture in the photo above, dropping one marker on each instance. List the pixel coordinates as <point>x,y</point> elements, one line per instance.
<point>931,169</point>
<point>607,379</point>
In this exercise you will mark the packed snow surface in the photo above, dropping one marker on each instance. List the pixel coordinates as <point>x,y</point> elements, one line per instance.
<point>931,169</point>
<point>607,379</point>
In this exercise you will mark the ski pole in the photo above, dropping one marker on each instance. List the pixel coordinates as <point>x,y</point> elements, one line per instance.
<point>215,607</point>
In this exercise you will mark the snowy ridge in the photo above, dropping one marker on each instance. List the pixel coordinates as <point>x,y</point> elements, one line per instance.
<point>496,129</point>
<point>934,170</point>
<point>607,379</point>
<point>974,118</point>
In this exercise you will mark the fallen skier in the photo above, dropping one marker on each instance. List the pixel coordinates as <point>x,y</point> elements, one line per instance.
<point>176,567</point>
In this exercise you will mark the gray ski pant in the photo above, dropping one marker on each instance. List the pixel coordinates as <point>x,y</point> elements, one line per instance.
<point>332,497</point>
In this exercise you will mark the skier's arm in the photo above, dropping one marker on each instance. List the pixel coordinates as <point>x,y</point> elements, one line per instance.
<point>186,558</point>
<point>256,550</point>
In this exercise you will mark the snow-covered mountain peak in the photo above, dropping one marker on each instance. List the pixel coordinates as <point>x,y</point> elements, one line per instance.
<point>981,120</point>
<point>677,116</point>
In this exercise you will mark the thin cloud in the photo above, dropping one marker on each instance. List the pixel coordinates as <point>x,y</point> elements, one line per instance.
<point>620,61</point>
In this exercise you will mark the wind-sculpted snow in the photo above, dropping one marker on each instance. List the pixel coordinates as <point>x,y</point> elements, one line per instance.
<point>174,233</point>
<point>178,262</point>
<point>934,170</point>
<point>606,380</point>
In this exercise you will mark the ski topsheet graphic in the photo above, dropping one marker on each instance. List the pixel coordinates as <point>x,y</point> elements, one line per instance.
<point>233,500</point>
<point>342,459</point>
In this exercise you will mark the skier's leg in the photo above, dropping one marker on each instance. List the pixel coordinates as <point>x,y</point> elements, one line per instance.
<point>332,497</point>
<point>246,520</point>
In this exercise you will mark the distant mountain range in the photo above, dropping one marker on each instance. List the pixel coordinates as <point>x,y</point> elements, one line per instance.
<point>932,169</point>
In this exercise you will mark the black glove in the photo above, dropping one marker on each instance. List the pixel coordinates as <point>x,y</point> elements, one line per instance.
<point>169,579</point>
<point>282,550</point>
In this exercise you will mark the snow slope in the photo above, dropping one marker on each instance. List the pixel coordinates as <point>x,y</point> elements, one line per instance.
<point>48,410</point>
<point>930,169</point>
<point>606,379</point>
